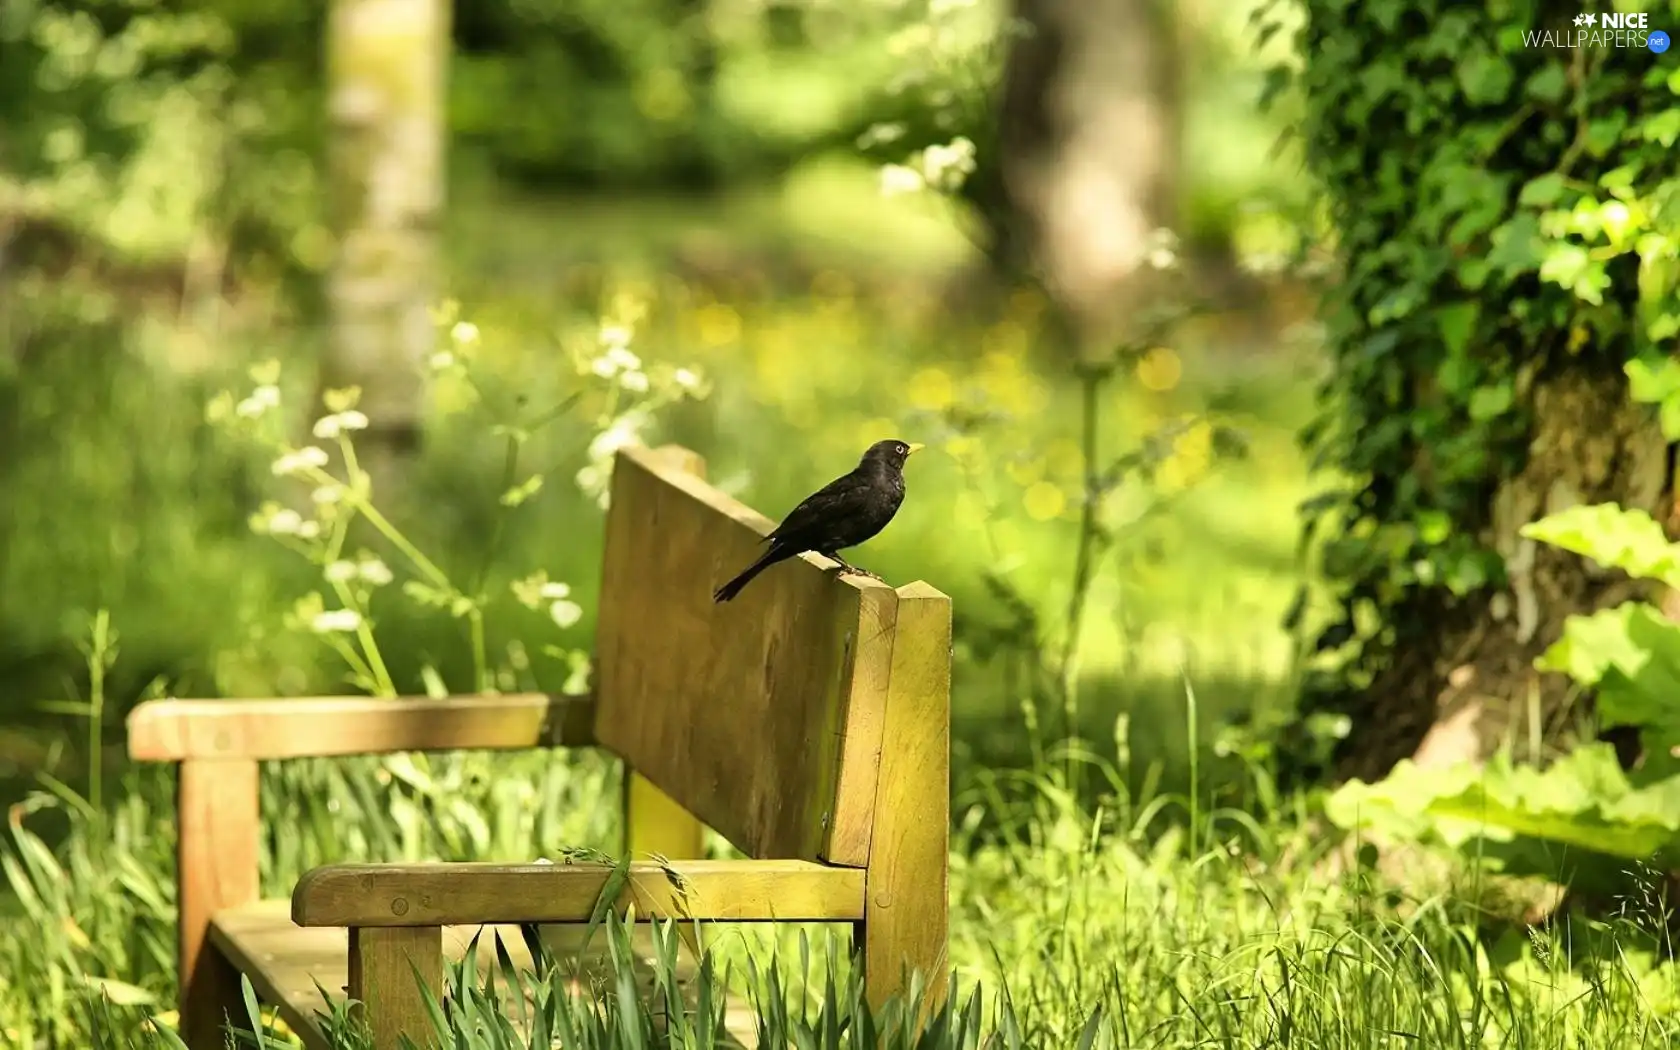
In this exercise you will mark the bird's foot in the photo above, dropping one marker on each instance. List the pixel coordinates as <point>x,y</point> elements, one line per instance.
<point>847,569</point>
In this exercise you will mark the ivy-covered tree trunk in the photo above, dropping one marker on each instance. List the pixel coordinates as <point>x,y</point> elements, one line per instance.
<point>386,66</point>
<point>1461,681</point>
<point>1507,214</point>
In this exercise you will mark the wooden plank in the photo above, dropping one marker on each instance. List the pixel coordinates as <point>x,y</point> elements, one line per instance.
<point>285,961</point>
<point>907,912</point>
<point>760,716</point>
<point>446,894</point>
<point>215,868</point>
<point>391,971</point>
<point>303,727</point>
<point>654,823</point>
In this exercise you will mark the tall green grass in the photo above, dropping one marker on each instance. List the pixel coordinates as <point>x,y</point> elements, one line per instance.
<point>1128,923</point>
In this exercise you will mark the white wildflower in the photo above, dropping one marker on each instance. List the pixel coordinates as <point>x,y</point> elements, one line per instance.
<point>309,530</point>
<point>465,333</point>
<point>554,590</point>
<point>329,427</point>
<point>374,572</point>
<point>603,367</point>
<point>880,135</point>
<point>1162,249</point>
<point>624,431</point>
<point>326,495</point>
<point>615,336</point>
<point>261,400</point>
<point>300,460</point>
<point>897,179</point>
<point>591,480</point>
<point>623,359</point>
<point>566,613</point>
<point>340,571</point>
<point>441,360</point>
<point>335,620</point>
<point>635,382</point>
<point>286,522</point>
<point>945,167</point>
<point>686,379</point>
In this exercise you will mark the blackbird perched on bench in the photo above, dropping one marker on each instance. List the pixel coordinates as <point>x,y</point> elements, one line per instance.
<point>844,513</point>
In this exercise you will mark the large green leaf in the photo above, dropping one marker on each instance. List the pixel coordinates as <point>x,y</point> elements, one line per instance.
<point>1630,540</point>
<point>1517,816</point>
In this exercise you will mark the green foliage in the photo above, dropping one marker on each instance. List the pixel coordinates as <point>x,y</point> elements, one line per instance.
<point>1530,820</point>
<point>1502,212</point>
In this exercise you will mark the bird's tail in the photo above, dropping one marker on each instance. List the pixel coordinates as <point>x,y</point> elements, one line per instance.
<point>733,587</point>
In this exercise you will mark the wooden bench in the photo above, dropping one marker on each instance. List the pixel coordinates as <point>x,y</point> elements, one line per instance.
<point>807,722</point>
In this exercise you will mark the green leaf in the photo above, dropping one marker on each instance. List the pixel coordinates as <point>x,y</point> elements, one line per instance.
<point>1433,526</point>
<point>1664,128</point>
<point>1550,83</point>
<point>1456,322</point>
<point>1615,537</point>
<point>1543,191</point>
<point>1652,381</point>
<point>1485,77</point>
<point>1583,801</point>
<point>1489,402</point>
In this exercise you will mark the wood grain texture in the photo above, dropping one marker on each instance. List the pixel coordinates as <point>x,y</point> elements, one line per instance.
<point>445,894</point>
<point>906,915</point>
<point>216,868</point>
<point>760,716</point>
<point>285,961</point>
<point>390,970</point>
<point>303,727</point>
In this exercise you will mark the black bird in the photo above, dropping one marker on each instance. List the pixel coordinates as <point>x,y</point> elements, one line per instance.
<point>843,513</point>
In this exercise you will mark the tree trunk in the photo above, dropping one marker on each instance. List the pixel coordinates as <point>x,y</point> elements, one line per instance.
<point>386,64</point>
<point>1089,150</point>
<point>1473,686</point>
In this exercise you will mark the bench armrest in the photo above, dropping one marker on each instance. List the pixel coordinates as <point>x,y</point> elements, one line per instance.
<point>374,895</point>
<point>311,727</point>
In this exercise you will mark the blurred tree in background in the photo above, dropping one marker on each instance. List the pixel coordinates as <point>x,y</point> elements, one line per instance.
<point>177,182</point>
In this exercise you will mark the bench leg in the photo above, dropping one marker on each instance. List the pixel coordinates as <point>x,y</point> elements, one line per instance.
<point>216,868</point>
<point>905,904</point>
<point>382,979</point>
<point>210,1001</point>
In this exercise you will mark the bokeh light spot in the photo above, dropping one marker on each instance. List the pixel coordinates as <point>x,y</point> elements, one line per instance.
<point>719,324</point>
<point>932,389</point>
<point>1160,370</point>
<point>1044,501</point>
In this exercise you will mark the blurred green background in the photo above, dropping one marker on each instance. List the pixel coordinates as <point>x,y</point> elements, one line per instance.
<point>165,223</point>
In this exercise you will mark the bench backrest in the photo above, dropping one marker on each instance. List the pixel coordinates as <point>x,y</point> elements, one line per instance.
<point>762,716</point>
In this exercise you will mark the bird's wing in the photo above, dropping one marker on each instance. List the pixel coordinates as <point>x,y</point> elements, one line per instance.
<point>816,511</point>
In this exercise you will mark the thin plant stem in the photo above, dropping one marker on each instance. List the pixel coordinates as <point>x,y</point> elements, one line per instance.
<point>1091,382</point>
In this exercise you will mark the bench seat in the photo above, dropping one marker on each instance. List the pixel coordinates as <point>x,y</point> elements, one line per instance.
<point>284,962</point>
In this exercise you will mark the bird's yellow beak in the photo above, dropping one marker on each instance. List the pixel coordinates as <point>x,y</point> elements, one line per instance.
<point>915,448</point>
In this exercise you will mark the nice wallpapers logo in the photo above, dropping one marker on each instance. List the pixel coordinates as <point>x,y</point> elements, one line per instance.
<point>1591,29</point>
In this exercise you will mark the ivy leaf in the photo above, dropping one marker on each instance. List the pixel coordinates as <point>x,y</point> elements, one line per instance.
<point>1490,402</point>
<point>1485,77</point>
<point>1651,381</point>
<point>1516,245</point>
<point>1613,536</point>
<point>1664,128</point>
<point>1456,322</point>
<point>1543,191</point>
<point>1549,84</point>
